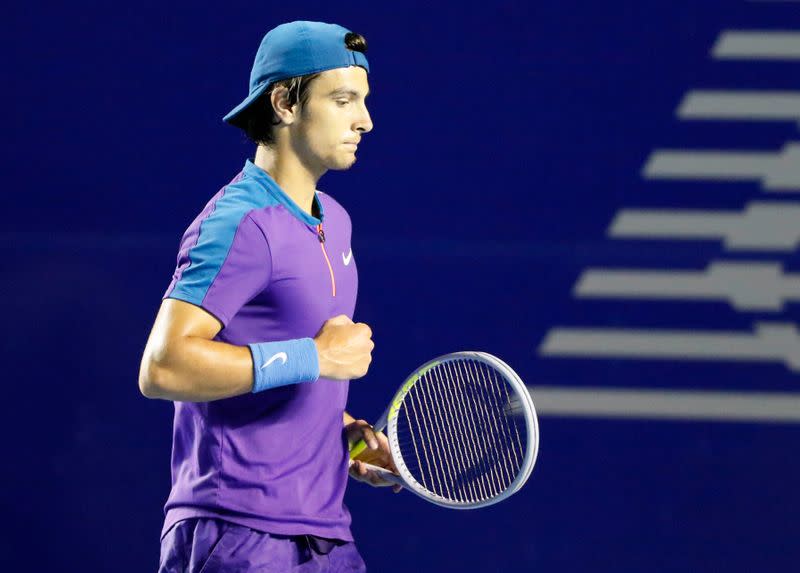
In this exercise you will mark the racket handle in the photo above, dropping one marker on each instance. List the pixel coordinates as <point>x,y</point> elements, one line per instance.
<point>357,448</point>
<point>385,474</point>
<point>361,445</point>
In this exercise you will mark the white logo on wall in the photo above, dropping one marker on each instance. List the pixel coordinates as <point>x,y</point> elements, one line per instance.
<point>747,286</point>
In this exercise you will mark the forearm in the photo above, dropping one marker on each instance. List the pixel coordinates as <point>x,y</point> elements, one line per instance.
<point>194,369</point>
<point>183,362</point>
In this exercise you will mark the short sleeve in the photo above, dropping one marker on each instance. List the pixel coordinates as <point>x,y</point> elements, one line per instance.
<point>222,264</point>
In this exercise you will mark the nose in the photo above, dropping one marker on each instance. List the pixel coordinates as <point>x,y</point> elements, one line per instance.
<point>364,122</point>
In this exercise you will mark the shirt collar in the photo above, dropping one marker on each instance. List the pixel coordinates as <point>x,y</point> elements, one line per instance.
<point>266,180</point>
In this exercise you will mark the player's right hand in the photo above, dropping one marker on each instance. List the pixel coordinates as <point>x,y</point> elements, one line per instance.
<point>344,348</point>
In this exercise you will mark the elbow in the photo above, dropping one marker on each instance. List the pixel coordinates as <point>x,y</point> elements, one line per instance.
<point>148,388</point>
<point>153,379</point>
<point>163,355</point>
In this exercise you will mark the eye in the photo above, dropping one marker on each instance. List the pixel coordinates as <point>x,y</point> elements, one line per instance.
<point>342,102</point>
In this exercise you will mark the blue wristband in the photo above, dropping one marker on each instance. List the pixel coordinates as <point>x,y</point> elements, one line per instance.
<point>284,362</point>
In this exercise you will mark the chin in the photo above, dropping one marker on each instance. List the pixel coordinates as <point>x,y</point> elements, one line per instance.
<point>342,164</point>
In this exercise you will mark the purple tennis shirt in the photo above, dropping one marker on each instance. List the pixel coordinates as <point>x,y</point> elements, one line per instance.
<point>275,461</point>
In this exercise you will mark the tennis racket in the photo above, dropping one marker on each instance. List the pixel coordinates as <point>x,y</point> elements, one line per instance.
<point>462,430</point>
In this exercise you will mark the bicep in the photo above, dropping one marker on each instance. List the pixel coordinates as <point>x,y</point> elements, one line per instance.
<point>175,321</point>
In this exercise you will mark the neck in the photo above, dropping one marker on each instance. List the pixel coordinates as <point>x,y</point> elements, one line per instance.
<point>295,178</point>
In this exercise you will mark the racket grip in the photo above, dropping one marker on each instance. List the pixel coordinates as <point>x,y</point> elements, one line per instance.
<point>357,448</point>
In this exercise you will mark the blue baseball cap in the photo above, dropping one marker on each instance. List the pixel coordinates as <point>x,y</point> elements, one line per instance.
<point>297,49</point>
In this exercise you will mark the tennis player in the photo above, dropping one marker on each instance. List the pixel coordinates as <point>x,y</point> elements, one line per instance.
<point>254,341</point>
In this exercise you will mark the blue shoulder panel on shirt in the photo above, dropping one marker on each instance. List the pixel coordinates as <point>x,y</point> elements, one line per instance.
<point>216,236</point>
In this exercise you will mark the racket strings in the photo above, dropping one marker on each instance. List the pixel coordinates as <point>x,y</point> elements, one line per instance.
<point>464,437</point>
<point>502,474</point>
<point>451,451</point>
<point>461,437</point>
<point>439,442</point>
<point>450,437</point>
<point>477,416</point>
<point>414,442</point>
<point>458,434</point>
<point>496,467</point>
<point>501,398</point>
<point>420,417</point>
<point>508,408</point>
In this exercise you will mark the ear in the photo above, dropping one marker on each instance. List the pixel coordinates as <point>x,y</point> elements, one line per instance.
<point>280,104</point>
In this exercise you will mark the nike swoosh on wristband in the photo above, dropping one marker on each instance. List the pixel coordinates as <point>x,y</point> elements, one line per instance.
<point>348,258</point>
<point>280,355</point>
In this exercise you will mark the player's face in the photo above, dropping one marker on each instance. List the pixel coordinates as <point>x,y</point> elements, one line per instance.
<point>335,118</point>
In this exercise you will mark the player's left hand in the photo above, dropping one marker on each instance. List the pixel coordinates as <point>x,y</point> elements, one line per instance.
<point>376,453</point>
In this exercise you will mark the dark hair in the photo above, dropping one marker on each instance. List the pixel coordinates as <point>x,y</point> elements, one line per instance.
<point>258,118</point>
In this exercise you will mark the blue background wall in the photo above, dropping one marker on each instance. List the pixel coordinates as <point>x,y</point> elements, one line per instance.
<point>507,136</point>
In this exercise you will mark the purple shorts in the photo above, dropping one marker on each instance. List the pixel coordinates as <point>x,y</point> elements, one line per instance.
<point>208,545</point>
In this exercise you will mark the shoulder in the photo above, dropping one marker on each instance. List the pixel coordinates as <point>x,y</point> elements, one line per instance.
<point>241,197</point>
<point>232,207</point>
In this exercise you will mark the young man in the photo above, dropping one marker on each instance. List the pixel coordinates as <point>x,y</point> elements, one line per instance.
<point>254,341</point>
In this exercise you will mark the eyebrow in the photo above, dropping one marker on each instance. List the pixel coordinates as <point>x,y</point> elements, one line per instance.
<point>346,91</point>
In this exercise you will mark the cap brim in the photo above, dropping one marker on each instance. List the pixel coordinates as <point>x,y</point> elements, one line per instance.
<point>232,115</point>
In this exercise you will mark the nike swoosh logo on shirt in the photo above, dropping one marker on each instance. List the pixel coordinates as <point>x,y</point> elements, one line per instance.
<point>280,355</point>
<point>348,258</point>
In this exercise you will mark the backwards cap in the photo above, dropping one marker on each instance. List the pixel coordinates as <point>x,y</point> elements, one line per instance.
<point>297,49</point>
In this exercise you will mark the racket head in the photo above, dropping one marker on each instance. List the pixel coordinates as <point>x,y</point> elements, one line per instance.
<point>504,408</point>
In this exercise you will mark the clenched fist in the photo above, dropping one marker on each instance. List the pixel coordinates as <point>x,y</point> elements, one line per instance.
<point>344,348</point>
